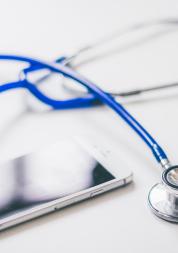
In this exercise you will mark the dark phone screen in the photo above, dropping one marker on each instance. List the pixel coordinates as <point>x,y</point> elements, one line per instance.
<point>55,172</point>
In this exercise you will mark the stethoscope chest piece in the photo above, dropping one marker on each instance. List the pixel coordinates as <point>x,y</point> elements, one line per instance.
<point>163,197</point>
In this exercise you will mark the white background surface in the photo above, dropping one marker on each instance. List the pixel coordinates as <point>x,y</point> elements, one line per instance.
<point>120,220</point>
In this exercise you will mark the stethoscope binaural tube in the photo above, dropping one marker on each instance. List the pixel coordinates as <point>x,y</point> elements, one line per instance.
<point>167,188</point>
<point>94,90</point>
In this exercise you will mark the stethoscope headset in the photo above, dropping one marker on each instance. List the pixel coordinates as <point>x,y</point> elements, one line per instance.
<point>163,197</point>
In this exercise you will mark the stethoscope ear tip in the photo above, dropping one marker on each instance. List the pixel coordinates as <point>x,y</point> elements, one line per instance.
<point>163,197</point>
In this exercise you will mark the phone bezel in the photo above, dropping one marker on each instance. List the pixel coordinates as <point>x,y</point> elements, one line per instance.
<point>121,179</point>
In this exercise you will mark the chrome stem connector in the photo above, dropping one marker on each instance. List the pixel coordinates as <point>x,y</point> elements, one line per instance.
<point>165,164</point>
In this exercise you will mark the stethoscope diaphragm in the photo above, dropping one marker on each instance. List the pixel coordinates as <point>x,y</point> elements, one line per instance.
<point>163,197</point>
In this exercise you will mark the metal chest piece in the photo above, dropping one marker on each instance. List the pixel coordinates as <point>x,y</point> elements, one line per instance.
<point>163,197</point>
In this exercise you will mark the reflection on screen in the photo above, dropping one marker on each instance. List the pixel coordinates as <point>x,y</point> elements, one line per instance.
<point>53,173</point>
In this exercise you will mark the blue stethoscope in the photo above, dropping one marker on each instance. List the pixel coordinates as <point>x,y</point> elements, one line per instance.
<point>163,197</point>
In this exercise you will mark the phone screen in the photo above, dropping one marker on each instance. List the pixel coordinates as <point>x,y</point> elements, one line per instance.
<point>55,172</point>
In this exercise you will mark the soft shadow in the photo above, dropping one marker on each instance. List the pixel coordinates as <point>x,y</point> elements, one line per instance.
<point>11,124</point>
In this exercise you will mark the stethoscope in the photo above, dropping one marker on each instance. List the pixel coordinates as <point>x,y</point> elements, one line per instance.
<point>163,197</point>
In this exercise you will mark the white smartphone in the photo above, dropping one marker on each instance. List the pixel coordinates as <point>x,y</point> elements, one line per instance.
<point>57,176</point>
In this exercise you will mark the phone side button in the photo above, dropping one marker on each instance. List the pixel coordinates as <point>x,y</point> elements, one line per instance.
<point>97,192</point>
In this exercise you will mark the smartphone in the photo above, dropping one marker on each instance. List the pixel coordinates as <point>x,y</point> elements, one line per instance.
<point>55,177</point>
